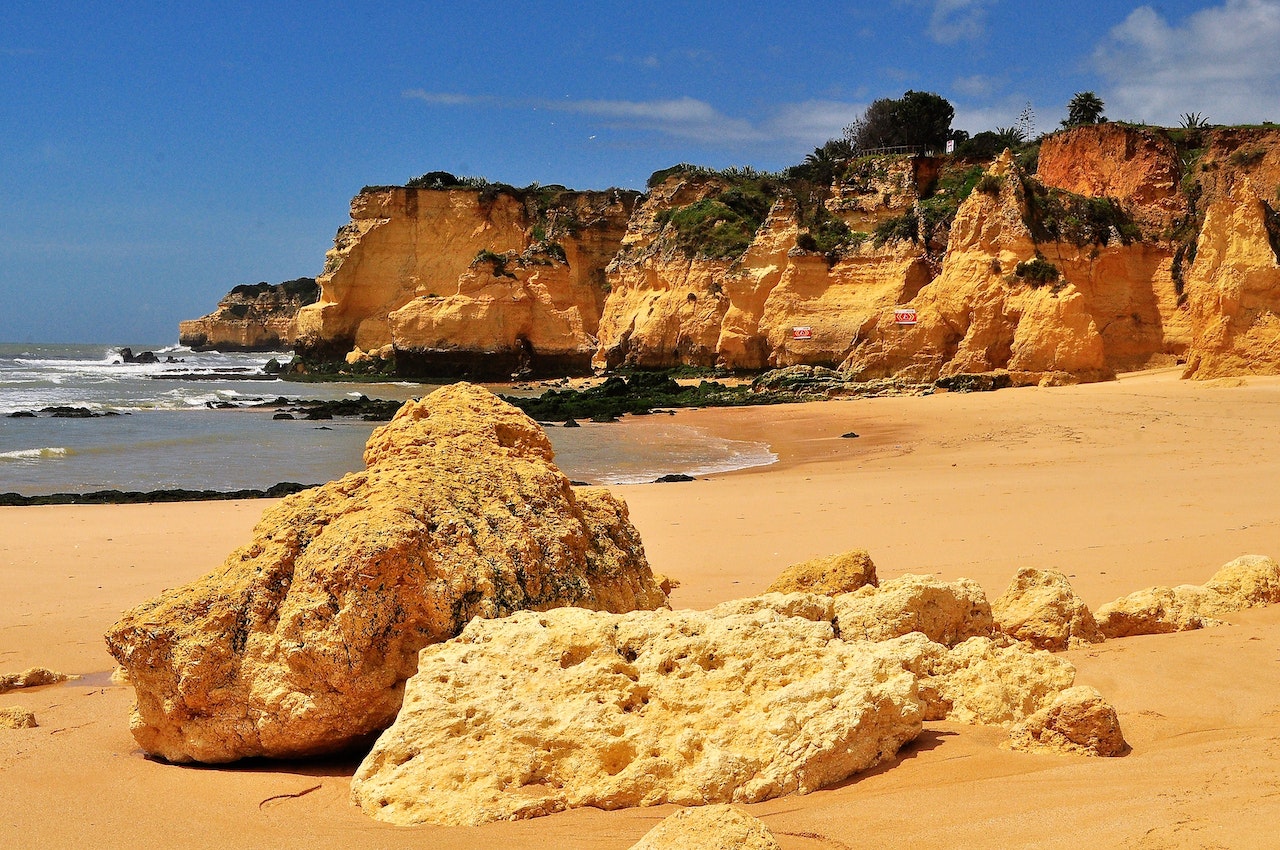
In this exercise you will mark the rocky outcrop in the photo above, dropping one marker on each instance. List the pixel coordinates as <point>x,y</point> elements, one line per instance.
<point>537,713</point>
<point>709,828</point>
<point>983,681</point>
<point>834,574</point>
<point>17,717</point>
<point>1078,722</point>
<point>1234,288</point>
<point>468,281</point>
<point>1246,582</point>
<point>302,641</point>
<point>32,677</point>
<point>1040,607</point>
<point>945,612</point>
<point>253,317</point>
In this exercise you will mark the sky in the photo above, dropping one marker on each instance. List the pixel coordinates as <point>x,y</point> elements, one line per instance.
<point>153,155</point>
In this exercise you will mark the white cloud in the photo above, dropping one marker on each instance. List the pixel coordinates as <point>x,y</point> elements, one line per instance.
<point>686,117</point>
<point>790,125</point>
<point>978,85</point>
<point>958,20</point>
<point>1223,61</point>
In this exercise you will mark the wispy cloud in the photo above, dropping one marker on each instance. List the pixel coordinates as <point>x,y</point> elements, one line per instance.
<point>806,123</point>
<point>952,21</point>
<point>1221,61</point>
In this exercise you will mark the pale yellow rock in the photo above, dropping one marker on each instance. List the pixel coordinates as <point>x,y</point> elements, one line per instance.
<point>540,712</point>
<point>404,271</point>
<point>1246,582</point>
<point>982,681</point>
<point>33,677</point>
<point>17,717</point>
<point>301,643</point>
<point>1040,607</point>
<point>843,573</point>
<point>1078,722</point>
<point>946,612</point>
<point>715,827</point>
<point>1234,290</point>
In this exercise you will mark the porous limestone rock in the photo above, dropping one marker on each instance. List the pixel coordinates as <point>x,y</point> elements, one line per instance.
<point>32,677</point>
<point>17,717</point>
<point>947,612</point>
<point>1234,289</point>
<point>1040,607</point>
<point>716,827</point>
<point>1246,582</point>
<point>982,681</point>
<point>252,317</point>
<point>540,712</point>
<point>1079,722</point>
<point>301,642</point>
<point>843,573</point>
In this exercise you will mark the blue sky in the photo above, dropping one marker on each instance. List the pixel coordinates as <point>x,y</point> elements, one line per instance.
<point>155,155</point>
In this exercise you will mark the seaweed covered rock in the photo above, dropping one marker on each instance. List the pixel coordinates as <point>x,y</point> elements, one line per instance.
<point>1246,582</point>
<point>833,574</point>
<point>709,828</point>
<point>302,641</point>
<point>540,712</point>
<point>1040,607</point>
<point>1079,721</point>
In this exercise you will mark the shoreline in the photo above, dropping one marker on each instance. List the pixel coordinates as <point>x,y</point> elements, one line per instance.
<point>1147,480</point>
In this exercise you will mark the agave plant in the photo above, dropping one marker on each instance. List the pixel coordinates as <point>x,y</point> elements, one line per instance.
<point>1194,121</point>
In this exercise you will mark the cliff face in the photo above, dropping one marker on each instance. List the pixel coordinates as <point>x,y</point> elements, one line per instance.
<point>1127,247</point>
<point>467,281</point>
<point>259,317</point>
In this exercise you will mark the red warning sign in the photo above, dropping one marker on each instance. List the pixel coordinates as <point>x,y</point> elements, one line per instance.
<point>802,333</point>
<point>905,315</point>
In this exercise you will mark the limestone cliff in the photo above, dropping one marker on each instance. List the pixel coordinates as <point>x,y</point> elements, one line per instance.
<point>468,281</point>
<point>257,317</point>
<point>1100,249</point>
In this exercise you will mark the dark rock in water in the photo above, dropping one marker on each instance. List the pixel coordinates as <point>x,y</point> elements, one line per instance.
<point>323,428</point>
<point>604,417</point>
<point>319,414</point>
<point>220,405</point>
<point>579,483</point>
<point>283,416</point>
<point>849,435</point>
<point>145,357</point>
<point>22,414</point>
<point>571,423</point>
<point>130,497</point>
<point>273,367</point>
<point>981,382</point>
<point>674,478</point>
<point>64,412</point>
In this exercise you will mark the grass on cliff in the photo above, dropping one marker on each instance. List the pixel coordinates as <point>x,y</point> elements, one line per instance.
<point>722,227</point>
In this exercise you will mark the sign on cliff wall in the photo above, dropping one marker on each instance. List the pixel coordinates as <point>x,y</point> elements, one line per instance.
<point>802,333</point>
<point>905,315</point>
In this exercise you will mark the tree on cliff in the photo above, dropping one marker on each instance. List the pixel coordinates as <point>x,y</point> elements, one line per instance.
<point>917,119</point>
<point>1084,108</point>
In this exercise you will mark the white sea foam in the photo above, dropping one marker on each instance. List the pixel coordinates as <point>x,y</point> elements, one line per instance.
<point>29,455</point>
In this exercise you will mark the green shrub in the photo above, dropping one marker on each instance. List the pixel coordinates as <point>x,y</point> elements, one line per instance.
<point>905,227</point>
<point>1037,272</point>
<point>990,184</point>
<point>1058,216</point>
<point>1248,158</point>
<point>498,261</point>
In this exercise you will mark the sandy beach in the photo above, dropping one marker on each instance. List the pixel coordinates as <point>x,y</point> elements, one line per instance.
<point>1123,485</point>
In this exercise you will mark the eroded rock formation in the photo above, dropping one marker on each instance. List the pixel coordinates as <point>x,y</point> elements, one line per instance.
<point>32,677</point>
<point>1078,722</point>
<point>1246,582</point>
<point>1040,607</point>
<point>253,317</point>
<point>831,575</point>
<point>947,612</point>
<point>712,827</point>
<point>302,641</point>
<point>17,717</point>
<point>536,713</point>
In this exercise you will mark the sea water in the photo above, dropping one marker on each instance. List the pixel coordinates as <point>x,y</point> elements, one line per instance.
<point>167,435</point>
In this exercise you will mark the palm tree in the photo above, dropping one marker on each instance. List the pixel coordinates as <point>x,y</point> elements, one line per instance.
<point>1084,108</point>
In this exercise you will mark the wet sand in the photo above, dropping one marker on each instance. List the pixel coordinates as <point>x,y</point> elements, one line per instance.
<point>1148,480</point>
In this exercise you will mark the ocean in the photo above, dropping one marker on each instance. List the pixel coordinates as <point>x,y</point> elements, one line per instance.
<point>167,435</point>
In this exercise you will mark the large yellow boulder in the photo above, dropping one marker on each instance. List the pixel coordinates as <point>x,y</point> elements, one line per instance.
<point>302,641</point>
